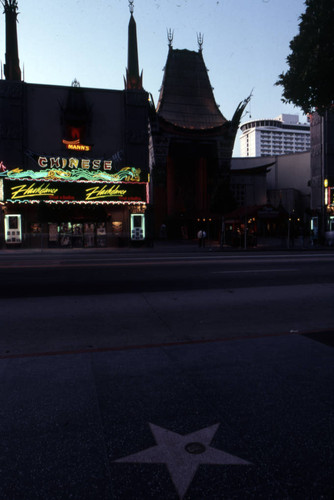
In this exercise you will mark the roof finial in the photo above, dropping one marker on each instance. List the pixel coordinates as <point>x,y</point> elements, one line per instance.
<point>170,36</point>
<point>131,6</point>
<point>75,83</point>
<point>200,39</point>
<point>9,5</point>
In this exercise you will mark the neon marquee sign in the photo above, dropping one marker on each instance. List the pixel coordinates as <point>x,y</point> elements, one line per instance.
<point>125,174</point>
<point>84,163</point>
<point>25,191</point>
<point>76,146</point>
<point>97,192</point>
<point>60,192</point>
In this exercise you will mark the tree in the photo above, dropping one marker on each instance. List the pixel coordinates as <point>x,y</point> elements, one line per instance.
<point>309,81</point>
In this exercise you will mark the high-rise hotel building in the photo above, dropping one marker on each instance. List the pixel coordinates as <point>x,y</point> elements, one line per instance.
<point>278,136</point>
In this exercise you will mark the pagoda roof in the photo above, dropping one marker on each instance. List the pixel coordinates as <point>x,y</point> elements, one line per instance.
<point>186,98</point>
<point>252,165</point>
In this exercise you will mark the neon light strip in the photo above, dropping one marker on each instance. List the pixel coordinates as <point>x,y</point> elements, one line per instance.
<point>76,141</point>
<point>72,181</point>
<point>66,202</point>
<point>147,193</point>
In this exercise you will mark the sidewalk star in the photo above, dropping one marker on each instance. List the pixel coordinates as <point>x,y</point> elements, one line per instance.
<point>183,454</point>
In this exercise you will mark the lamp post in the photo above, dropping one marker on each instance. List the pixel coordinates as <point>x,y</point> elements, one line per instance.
<point>222,238</point>
<point>325,204</point>
<point>245,231</point>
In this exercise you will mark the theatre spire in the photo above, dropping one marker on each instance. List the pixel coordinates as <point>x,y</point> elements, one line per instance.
<point>12,65</point>
<point>133,79</point>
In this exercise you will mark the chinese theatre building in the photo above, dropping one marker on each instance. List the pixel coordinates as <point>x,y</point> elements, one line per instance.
<point>193,144</point>
<point>74,162</point>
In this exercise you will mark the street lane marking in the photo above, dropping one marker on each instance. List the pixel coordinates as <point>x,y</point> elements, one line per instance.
<point>151,260</point>
<point>254,271</point>
<point>149,257</point>
<point>127,263</point>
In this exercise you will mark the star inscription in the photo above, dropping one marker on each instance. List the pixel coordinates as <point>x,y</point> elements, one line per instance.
<point>183,454</point>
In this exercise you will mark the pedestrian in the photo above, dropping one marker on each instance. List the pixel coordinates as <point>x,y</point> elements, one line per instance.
<point>163,232</point>
<point>201,235</point>
<point>203,238</point>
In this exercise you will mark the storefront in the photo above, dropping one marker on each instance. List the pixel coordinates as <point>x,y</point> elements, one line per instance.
<point>245,225</point>
<point>42,209</point>
<point>75,162</point>
<point>75,169</point>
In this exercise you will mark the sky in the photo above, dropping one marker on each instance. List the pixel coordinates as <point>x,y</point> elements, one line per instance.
<point>246,43</point>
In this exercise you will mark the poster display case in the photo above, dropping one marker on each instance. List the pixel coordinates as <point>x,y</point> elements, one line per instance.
<point>13,229</point>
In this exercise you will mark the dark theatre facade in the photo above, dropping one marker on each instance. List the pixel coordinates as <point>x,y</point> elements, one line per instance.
<point>193,145</point>
<point>75,162</point>
<point>75,165</point>
<point>82,167</point>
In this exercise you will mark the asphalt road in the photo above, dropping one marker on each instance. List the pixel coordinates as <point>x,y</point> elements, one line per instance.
<point>166,375</point>
<point>57,302</point>
<point>51,274</point>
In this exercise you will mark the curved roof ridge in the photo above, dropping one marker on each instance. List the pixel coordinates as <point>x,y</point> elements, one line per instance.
<point>186,98</point>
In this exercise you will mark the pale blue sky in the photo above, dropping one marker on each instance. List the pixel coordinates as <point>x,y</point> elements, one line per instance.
<point>246,43</point>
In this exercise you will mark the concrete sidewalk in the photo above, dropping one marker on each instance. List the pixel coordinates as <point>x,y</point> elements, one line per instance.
<point>264,244</point>
<point>240,419</point>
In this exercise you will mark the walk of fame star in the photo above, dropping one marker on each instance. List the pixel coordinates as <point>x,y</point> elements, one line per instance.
<point>183,454</point>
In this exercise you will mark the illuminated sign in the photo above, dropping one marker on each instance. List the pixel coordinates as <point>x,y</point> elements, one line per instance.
<point>98,193</point>
<point>68,162</point>
<point>137,226</point>
<point>76,146</point>
<point>83,163</point>
<point>126,174</point>
<point>65,192</point>
<point>24,191</point>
